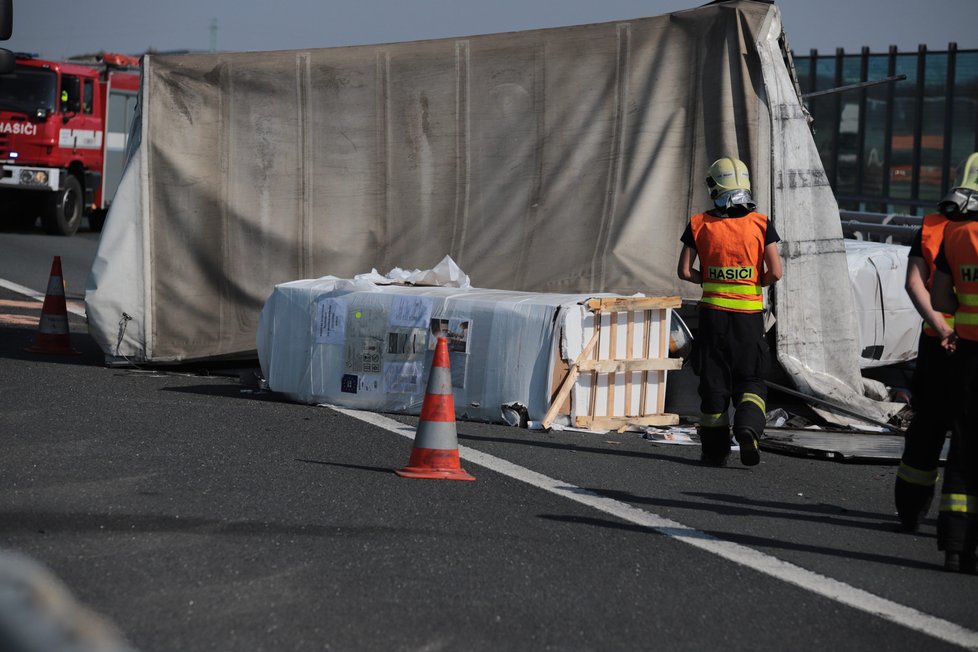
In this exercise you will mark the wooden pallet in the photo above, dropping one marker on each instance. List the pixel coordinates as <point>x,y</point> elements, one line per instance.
<point>619,378</point>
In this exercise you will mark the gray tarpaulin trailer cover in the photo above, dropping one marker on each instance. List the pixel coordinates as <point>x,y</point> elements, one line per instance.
<point>560,160</point>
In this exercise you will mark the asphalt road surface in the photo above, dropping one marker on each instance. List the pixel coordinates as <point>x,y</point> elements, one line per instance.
<point>195,512</point>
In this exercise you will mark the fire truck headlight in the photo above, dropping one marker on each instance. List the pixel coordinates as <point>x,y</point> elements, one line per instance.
<point>14,154</point>
<point>39,177</point>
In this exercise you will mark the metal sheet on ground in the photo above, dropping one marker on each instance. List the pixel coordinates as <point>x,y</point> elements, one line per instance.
<point>843,446</point>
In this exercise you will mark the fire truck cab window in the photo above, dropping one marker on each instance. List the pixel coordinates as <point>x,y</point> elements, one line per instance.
<point>28,90</point>
<point>70,94</point>
<point>87,93</point>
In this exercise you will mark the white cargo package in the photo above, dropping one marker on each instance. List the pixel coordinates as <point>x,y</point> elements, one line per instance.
<point>364,345</point>
<point>889,324</point>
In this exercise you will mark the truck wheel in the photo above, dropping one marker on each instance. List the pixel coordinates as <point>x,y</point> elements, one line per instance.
<point>64,211</point>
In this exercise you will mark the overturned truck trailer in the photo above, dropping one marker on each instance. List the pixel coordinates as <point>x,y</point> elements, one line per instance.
<point>560,160</point>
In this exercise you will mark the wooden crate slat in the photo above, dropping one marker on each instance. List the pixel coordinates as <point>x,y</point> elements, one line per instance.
<point>647,341</point>
<point>604,388</point>
<point>635,364</point>
<point>613,423</point>
<point>593,399</point>
<point>664,348</point>
<point>629,353</point>
<point>609,407</point>
<point>568,384</point>
<point>620,304</point>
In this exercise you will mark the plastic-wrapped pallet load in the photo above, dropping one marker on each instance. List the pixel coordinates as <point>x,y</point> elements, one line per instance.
<point>889,324</point>
<point>367,345</point>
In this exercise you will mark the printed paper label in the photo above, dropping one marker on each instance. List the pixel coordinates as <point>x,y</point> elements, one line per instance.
<point>410,311</point>
<point>330,321</point>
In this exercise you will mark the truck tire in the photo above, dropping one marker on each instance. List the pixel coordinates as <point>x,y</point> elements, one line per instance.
<point>64,210</point>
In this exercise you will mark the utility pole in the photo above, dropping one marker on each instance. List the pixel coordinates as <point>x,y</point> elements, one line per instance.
<point>213,34</point>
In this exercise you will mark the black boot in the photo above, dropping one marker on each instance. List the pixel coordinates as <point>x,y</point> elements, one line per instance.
<point>913,501</point>
<point>715,445</point>
<point>750,454</point>
<point>956,561</point>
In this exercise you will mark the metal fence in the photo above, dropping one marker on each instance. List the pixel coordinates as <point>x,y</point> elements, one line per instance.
<point>891,228</point>
<point>892,147</point>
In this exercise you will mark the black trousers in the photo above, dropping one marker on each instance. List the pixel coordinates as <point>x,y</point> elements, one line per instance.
<point>731,357</point>
<point>932,387</point>
<point>957,521</point>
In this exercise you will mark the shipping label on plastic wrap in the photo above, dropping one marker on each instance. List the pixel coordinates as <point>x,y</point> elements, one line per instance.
<point>330,321</point>
<point>365,321</point>
<point>404,377</point>
<point>458,333</point>
<point>365,384</point>
<point>364,355</point>
<point>365,340</point>
<point>410,311</point>
<point>404,368</point>
<point>407,343</point>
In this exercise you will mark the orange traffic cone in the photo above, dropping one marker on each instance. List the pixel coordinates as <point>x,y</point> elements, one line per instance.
<point>52,331</point>
<point>435,452</point>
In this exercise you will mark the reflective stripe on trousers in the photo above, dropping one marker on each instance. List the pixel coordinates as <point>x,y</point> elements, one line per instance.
<point>714,420</point>
<point>959,503</point>
<point>917,476</point>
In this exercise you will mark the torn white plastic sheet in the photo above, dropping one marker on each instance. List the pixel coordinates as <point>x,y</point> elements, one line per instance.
<point>817,336</point>
<point>889,324</point>
<point>120,278</point>
<point>446,274</point>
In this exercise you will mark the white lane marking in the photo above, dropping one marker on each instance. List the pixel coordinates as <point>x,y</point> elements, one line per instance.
<point>72,306</point>
<point>759,561</point>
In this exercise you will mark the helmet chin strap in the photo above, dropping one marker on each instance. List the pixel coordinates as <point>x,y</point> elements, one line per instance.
<point>960,204</point>
<point>738,197</point>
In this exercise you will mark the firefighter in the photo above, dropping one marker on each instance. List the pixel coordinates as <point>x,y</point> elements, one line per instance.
<point>738,253</point>
<point>918,472</point>
<point>955,290</point>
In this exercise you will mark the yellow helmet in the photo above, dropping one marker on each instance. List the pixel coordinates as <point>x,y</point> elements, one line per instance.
<point>962,202</point>
<point>727,174</point>
<point>968,173</point>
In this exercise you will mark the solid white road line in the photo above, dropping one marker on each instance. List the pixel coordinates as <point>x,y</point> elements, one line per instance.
<point>759,561</point>
<point>72,306</point>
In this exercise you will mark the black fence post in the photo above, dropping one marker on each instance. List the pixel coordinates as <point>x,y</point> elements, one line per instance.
<point>888,127</point>
<point>861,128</point>
<point>946,163</point>
<point>918,123</point>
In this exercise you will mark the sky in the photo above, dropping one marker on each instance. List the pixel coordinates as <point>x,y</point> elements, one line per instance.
<point>57,29</point>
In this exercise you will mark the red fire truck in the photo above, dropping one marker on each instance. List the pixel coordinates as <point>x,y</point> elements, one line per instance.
<point>63,131</point>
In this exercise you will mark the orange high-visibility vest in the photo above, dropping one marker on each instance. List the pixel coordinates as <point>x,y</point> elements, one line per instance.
<point>931,234</point>
<point>731,252</point>
<point>961,251</point>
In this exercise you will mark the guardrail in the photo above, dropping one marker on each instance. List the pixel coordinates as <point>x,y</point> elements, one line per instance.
<point>891,228</point>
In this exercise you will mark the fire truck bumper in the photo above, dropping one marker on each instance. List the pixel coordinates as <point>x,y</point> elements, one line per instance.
<point>23,177</point>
